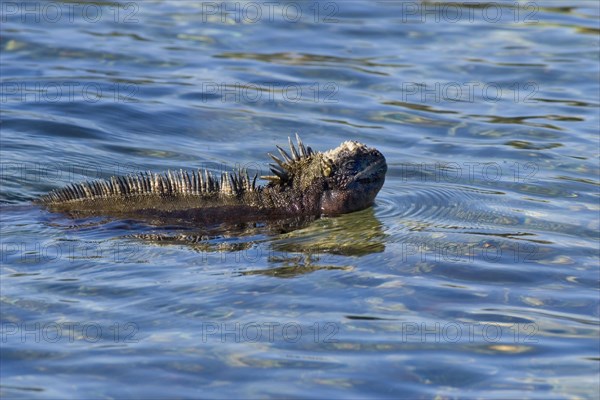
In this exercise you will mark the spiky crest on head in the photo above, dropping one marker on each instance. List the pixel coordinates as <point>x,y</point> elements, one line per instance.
<point>287,165</point>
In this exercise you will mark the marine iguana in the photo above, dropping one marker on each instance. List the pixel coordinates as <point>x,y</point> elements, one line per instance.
<point>305,183</point>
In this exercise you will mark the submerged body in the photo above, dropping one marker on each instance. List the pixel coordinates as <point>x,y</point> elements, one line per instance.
<point>305,183</point>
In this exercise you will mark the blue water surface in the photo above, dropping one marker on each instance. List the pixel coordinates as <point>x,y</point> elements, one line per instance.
<point>475,275</point>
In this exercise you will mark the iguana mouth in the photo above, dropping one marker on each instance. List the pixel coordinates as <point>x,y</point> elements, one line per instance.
<point>369,174</point>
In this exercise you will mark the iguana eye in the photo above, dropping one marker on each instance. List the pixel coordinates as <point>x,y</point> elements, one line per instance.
<point>350,165</point>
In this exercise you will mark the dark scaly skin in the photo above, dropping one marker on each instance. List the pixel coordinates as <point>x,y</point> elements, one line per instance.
<point>305,183</point>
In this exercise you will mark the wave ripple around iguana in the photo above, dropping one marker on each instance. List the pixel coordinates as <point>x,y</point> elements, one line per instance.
<point>304,183</point>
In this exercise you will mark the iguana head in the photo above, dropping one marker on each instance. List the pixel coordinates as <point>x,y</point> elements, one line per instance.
<point>354,174</point>
<point>342,180</point>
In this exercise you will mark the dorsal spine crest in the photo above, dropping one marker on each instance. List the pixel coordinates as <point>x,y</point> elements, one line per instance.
<point>182,183</point>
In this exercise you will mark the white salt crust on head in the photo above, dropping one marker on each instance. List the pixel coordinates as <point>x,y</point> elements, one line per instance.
<point>349,145</point>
